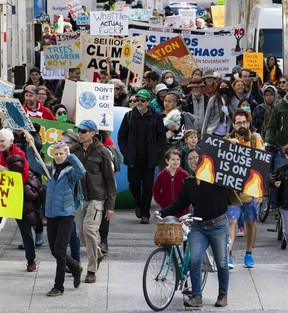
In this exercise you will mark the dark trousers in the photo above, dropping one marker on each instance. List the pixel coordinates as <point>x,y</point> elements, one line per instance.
<point>27,238</point>
<point>141,179</point>
<point>59,232</point>
<point>74,244</point>
<point>104,228</point>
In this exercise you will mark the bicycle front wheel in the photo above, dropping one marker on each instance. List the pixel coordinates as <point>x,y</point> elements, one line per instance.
<point>264,209</point>
<point>160,279</point>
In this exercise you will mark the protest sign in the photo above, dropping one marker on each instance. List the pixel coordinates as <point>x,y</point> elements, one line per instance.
<point>67,38</point>
<point>15,115</point>
<point>188,18</point>
<point>206,46</point>
<point>173,21</point>
<point>120,6</point>
<point>75,8</point>
<point>218,14</point>
<point>50,74</point>
<point>94,51</point>
<point>109,23</point>
<point>6,88</point>
<point>11,194</point>
<point>133,54</point>
<point>96,102</point>
<point>83,20</point>
<point>62,56</point>
<point>156,20</point>
<point>140,14</point>
<point>69,98</point>
<point>254,62</point>
<point>172,55</point>
<point>235,166</point>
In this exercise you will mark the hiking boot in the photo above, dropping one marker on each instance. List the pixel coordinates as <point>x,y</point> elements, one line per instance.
<point>39,240</point>
<point>194,302</point>
<point>54,292</point>
<point>138,211</point>
<point>221,300</point>
<point>31,266</point>
<point>249,261</point>
<point>144,220</point>
<point>104,246</point>
<point>90,278</point>
<point>99,260</point>
<point>77,277</point>
<point>241,232</point>
<point>230,263</point>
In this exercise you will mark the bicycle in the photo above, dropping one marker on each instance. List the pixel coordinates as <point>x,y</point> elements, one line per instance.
<point>279,229</point>
<point>166,270</point>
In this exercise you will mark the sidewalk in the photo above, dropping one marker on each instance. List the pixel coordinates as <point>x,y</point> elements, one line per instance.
<point>119,289</point>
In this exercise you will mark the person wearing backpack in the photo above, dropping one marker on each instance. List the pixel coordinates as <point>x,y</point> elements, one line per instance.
<point>60,209</point>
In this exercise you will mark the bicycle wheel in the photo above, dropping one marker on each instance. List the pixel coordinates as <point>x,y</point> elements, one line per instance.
<point>279,228</point>
<point>160,279</point>
<point>264,209</point>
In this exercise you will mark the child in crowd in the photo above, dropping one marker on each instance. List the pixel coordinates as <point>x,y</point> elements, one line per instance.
<point>60,210</point>
<point>191,140</point>
<point>169,181</point>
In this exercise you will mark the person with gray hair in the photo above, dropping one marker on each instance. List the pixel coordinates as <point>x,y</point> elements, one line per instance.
<point>120,93</point>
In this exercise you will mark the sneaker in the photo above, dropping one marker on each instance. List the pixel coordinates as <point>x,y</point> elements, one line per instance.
<point>77,277</point>
<point>90,278</point>
<point>138,211</point>
<point>221,301</point>
<point>241,232</point>
<point>31,266</point>
<point>39,240</point>
<point>144,220</point>
<point>54,292</point>
<point>104,246</point>
<point>230,263</point>
<point>249,261</point>
<point>194,302</point>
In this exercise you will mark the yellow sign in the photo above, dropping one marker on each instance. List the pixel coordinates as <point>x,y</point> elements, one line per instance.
<point>254,62</point>
<point>218,15</point>
<point>11,194</point>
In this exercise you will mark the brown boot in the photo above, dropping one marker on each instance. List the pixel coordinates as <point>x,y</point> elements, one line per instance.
<point>90,277</point>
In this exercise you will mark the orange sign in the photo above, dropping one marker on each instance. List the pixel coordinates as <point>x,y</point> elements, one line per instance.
<point>254,62</point>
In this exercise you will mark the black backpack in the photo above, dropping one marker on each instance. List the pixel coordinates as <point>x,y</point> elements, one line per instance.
<point>116,158</point>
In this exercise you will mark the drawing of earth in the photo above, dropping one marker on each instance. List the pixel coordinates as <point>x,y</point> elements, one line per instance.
<point>87,100</point>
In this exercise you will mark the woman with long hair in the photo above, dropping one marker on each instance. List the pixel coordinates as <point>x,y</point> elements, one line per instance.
<point>46,97</point>
<point>239,88</point>
<point>283,83</point>
<point>272,71</point>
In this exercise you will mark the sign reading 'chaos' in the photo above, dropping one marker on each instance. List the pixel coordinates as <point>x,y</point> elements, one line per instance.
<point>95,102</point>
<point>234,166</point>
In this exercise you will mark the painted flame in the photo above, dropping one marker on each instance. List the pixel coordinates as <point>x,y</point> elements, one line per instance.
<point>205,171</point>
<point>254,185</point>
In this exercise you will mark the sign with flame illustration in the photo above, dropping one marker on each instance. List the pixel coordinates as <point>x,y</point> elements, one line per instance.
<point>233,166</point>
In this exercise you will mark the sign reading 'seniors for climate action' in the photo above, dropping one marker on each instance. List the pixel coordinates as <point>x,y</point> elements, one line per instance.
<point>234,166</point>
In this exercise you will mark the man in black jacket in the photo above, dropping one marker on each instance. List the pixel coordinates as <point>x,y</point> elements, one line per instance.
<point>141,139</point>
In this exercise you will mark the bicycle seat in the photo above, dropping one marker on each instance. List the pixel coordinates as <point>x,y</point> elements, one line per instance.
<point>170,219</point>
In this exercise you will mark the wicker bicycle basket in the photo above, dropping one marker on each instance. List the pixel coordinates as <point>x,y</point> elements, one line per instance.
<point>168,234</point>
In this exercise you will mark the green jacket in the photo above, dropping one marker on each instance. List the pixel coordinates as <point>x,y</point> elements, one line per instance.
<point>277,129</point>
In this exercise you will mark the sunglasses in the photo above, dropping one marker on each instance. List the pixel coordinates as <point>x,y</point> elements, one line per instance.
<point>62,113</point>
<point>83,131</point>
<point>141,100</point>
<point>282,82</point>
<point>133,100</point>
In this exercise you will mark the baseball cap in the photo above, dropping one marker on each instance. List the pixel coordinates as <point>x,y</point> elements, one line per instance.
<point>143,93</point>
<point>160,87</point>
<point>88,124</point>
<point>31,88</point>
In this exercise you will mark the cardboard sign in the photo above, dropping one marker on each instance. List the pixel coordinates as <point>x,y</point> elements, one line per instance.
<point>218,14</point>
<point>109,23</point>
<point>254,62</point>
<point>50,74</point>
<point>69,98</point>
<point>188,18</point>
<point>173,21</point>
<point>6,89</point>
<point>96,102</point>
<point>156,20</point>
<point>62,56</point>
<point>75,8</point>
<point>15,115</point>
<point>172,55</point>
<point>11,194</point>
<point>67,38</point>
<point>234,166</point>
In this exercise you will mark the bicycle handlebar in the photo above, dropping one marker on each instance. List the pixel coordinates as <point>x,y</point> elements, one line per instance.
<point>185,218</point>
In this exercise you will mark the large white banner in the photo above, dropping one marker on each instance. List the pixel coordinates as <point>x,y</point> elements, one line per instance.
<point>213,49</point>
<point>95,102</point>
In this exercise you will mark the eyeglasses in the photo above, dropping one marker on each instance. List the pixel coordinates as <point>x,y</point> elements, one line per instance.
<point>83,131</point>
<point>282,81</point>
<point>241,123</point>
<point>140,100</point>
<point>61,113</point>
<point>133,100</point>
<point>117,88</point>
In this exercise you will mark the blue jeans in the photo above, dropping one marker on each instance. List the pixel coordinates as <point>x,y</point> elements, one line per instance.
<point>217,237</point>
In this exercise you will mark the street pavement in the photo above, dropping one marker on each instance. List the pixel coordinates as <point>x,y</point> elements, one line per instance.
<point>119,279</point>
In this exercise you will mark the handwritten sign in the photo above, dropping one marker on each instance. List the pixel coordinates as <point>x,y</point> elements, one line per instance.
<point>254,62</point>
<point>75,8</point>
<point>67,38</point>
<point>11,194</point>
<point>83,20</point>
<point>96,102</point>
<point>109,23</point>
<point>235,166</point>
<point>15,115</point>
<point>62,56</point>
<point>218,14</point>
<point>6,89</point>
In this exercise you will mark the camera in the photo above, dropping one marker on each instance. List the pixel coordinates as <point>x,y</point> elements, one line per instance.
<point>253,74</point>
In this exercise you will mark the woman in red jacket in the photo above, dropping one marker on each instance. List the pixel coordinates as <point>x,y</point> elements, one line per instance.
<point>170,180</point>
